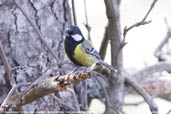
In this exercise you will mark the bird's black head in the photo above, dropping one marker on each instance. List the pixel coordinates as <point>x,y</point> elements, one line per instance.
<point>72,39</point>
<point>74,33</point>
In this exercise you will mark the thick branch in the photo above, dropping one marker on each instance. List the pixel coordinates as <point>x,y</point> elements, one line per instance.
<point>158,87</point>
<point>144,94</point>
<point>117,80</point>
<point>42,87</point>
<point>50,85</point>
<point>147,71</point>
<point>107,99</point>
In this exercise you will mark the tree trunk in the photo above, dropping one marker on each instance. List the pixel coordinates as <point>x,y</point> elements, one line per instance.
<point>22,47</point>
<point>117,80</point>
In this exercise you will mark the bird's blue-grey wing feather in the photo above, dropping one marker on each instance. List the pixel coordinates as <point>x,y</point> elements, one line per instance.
<point>88,48</point>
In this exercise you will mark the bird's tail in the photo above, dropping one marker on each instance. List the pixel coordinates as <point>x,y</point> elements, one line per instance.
<point>107,65</point>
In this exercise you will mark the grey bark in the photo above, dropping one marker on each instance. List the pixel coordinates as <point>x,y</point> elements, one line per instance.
<point>117,80</point>
<point>22,47</point>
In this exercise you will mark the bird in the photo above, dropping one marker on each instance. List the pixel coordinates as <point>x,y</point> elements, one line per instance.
<point>80,51</point>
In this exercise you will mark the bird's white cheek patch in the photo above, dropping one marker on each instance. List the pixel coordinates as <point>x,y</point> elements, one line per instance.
<point>77,37</point>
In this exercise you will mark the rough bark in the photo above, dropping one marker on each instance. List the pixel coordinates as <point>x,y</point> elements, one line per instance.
<point>117,80</point>
<point>22,47</point>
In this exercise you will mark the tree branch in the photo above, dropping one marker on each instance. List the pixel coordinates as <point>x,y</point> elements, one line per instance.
<point>104,43</point>
<point>6,101</point>
<point>41,87</point>
<point>5,63</point>
<point>117,80</point>
<point>144,94</point>
<point>107,99</point>
<point>74,13</point>
<point>147,71</point>
<point>86,19</point>
<point>158,53</point>
<point>158,87</point>
<point>49,85</point>
<point>142,22</point>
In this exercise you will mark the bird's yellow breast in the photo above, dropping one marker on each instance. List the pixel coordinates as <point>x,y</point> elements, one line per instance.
<point>82,57</point>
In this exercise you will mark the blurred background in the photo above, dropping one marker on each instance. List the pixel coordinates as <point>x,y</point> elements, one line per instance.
<point>142,41</point>
<point>31,30</point>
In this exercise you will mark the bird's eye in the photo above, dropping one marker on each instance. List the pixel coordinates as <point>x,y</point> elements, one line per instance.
<point>69,31</point>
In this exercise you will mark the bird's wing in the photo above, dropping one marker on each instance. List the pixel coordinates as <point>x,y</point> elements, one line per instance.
<point>88,48</point>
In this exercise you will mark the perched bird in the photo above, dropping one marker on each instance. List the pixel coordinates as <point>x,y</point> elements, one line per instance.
<point>80,51</point>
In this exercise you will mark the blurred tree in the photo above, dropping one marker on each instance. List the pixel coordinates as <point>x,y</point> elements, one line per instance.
<point>22,46</point>
<point>31,43</point>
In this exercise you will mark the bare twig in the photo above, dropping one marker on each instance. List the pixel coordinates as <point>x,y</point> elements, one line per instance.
<point>104,43</point>
<point>158,53</point>
<point>37,30</point>
<point>6,101</point>
<point>86,19</point>
<point>151,7</point>
<point>142,22</point>
<point>5,63</point>
<point>74,13</point>
<point>144,94</point>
